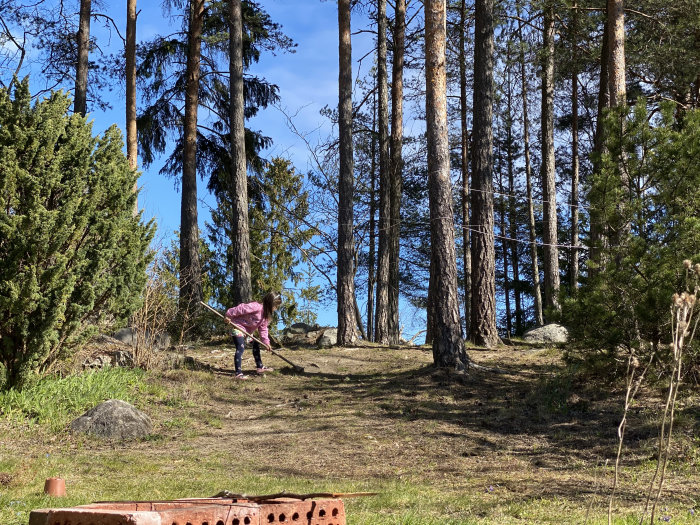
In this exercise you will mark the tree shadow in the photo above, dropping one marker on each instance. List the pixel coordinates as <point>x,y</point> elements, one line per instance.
<point>566,415</point>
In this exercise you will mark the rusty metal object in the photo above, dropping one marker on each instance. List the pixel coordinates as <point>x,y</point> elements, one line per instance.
<point>198,511</point>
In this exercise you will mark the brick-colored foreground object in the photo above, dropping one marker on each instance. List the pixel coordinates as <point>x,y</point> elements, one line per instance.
<point>199,511</point>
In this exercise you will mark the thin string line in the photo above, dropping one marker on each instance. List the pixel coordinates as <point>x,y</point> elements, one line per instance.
<point>520,196</point>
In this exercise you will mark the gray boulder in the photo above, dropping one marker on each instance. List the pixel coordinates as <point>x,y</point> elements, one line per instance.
<point>551,333</point>
<point>328,338</point>
<point>299,328</point>
<point>126,336</point>
<point>105,358</point>
<point>114,419</point>
<point>130,336</point>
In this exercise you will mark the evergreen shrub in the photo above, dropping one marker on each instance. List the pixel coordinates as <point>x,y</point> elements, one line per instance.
<point>653,225</point>
<point>73,253</point>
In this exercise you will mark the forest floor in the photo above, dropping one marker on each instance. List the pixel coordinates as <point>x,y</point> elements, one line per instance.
<point>529,443</point>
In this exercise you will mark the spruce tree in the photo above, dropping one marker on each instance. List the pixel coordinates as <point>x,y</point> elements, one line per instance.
<point>72,251</point>
<point>278,234</point>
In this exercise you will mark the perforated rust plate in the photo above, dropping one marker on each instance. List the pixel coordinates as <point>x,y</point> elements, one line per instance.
<point>204,511</point>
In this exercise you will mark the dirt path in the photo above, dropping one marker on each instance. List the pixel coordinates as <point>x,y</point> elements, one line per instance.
<point>374,416</point>
<point>386,413</point>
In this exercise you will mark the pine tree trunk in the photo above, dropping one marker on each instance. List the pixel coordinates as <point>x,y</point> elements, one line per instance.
<point>515,258</point>
<point>483,330</point>
<point>81,69</point>
<point>238,186</point>
<point>381,325</point>
<point>616,61</point>
<point>464,151</point>
<point>358,317</point>
<point>371,278</point>
<point>573,262</point>
<point>504,253</point>
<point>448,346</point>
<point>618,98</point>
<point>130,56</point>
<point>512,210</point>
<point>548,174</point>
<point>345,284</point>
<point>396,168</point>
<point>430,309</point>
<point>597,229</point>
<point>536,291</point>
<point>190,271</point>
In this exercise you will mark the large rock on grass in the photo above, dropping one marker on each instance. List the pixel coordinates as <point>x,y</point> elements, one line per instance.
<point>114,419</point>
<point>328,338</point>
<point>550,333</point>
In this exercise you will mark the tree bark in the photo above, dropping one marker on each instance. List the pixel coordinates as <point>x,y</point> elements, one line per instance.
<point>130,52</point>
<point>504,253</point>
<point>464,151</point>
<point>358,318</point>
<point>573,262</point>
<point>512,210</point>
<point>190,271</point>
<point>82,66</point>
<point>616,61</point>
<point>238,186</point>
<point>371,277</point>
<point>548,174</point>
<point>448,346</point>
<point>346,285</point>
<point>381,325</point>
<point>536,291</point>
<point>618,98</point>
<point>396,167</point>
<point>483,330</point>
<point>597,229</point>
<point>430,313</point>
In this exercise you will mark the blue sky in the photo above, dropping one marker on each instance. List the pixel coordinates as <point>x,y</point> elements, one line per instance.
<point>307,80</point>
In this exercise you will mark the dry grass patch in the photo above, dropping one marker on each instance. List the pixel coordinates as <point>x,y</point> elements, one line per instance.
<point>527,445</point>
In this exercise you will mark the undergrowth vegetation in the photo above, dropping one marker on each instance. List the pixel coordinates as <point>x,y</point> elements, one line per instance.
<point>53,401</point>
<point>534,443</point>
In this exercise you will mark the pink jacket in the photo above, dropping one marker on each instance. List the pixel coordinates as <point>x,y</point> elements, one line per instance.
<point>249,316</point>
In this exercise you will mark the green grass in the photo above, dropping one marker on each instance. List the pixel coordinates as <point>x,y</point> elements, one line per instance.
<point>429,455</point>
<point>54,401</point>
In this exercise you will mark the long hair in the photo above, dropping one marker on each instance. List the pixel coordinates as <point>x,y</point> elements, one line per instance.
<point>270,300</point>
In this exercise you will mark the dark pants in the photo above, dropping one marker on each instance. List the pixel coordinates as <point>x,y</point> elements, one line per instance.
<point>240,347</point>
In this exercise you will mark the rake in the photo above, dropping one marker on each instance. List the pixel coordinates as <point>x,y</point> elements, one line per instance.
<point>296,367</point>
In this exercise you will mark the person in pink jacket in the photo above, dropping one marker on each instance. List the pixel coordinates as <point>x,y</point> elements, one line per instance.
<point>251,317</point>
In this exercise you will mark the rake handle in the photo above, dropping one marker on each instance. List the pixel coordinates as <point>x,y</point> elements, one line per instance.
<point>296,367</point>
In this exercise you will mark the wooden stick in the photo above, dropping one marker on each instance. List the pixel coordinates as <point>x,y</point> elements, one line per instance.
<point>296,367</point>
<point>283,494</point>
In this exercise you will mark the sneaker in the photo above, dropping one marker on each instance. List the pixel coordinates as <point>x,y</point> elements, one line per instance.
<point>264,369</point>
<point>241,376</point>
